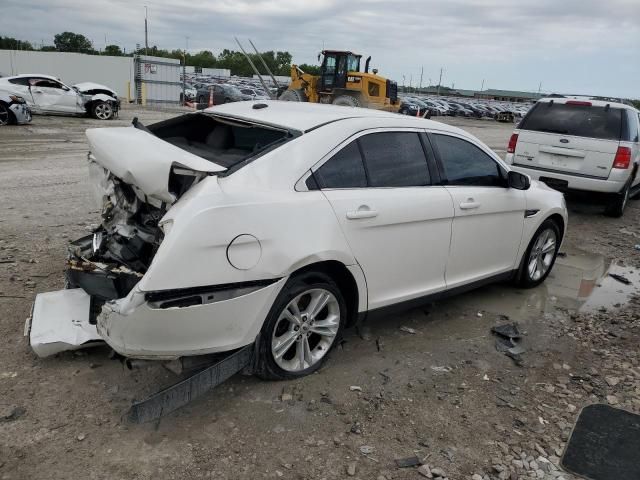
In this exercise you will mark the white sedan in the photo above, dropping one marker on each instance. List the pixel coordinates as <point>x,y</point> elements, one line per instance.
<point>280,224</point>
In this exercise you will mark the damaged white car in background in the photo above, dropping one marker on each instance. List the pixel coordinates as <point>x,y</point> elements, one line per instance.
<point>47,95</point>
<point>277,224</point>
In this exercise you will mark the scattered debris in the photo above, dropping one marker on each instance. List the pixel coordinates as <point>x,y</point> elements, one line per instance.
<point>407,462</point>
<point>355,388</point>
<point>408,330</point>
<point>81,437</point>
<point>14,414</point>
<point>351,469</point>
<point>425,471</point>
<point>367,449</point>
<point>438,369</point>
<point>620,278</point>
<point>508,341</point>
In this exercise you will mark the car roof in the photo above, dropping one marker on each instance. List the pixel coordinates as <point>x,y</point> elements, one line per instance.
<point>39,75</point>
<point>595,103</point>
<point>305,116</point>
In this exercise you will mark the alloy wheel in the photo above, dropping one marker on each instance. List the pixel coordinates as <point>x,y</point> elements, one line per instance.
<point>103,111</point>
<point>4,115</point>
<point>542,254</point>
<point>305,330</point>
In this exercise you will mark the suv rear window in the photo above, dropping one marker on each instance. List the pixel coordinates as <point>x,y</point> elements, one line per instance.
<point>577,120</point>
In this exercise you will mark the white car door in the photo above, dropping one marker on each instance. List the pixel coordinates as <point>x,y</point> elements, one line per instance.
<point>54,97</point>
<point>489,217</point>
<point>397,224</point>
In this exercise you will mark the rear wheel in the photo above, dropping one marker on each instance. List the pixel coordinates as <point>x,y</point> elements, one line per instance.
<point>616,206</point>
<point>540,256</point>
<point>302,326</point>
<point>102,110</point>
<point>293,96</point>
<point>6,115</point>
<point>347,101</point>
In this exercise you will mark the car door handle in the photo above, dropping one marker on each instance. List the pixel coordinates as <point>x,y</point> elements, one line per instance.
<point>470,204</point>
<point>363,212</point>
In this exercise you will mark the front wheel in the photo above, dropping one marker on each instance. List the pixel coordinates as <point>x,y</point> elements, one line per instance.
<point>346,101</point>
<point>6,116</point>
<point>301,327</point>
<point>102,111</point>
<point>540,256</point>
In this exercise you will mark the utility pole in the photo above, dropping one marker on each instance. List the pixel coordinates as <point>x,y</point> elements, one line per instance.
<point>421,72</point>
<point>482,87</point>
<point>146,33</point>
<point>439,81</point>
<point>410,82</point>
<point>404,89</point>
<point>539,88</point>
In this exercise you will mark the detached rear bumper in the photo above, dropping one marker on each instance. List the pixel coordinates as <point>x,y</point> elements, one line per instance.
<point>60,321</point>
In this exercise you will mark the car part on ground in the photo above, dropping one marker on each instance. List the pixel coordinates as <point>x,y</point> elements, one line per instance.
<point>13,109</point>
<point>195,253</point>
<point>47,95</point>
<point>581,145</point>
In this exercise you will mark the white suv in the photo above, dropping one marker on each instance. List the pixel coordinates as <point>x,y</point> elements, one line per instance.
<point>573,144</point>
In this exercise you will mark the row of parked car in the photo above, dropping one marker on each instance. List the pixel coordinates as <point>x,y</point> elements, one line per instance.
<point>457,107</point>
<point>224,90</point>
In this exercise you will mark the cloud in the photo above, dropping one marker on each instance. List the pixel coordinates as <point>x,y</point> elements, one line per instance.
<point>573,45</point>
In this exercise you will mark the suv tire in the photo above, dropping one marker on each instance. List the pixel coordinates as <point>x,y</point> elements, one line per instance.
<point>616,206</point>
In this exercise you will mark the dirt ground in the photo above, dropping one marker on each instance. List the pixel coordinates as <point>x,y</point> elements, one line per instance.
<point>443,393</point>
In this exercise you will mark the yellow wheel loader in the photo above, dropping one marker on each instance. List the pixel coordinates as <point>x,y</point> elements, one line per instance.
<point>342,83</point>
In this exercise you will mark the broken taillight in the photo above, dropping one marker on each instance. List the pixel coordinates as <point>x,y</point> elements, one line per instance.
<point>511,148</point>
<point>623,158</point>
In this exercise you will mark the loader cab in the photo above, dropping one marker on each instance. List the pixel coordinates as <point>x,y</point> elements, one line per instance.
<point>334,68</point>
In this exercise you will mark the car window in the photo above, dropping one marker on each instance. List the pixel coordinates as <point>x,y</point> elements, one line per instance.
<point>575,119</point>
<point>20,81</point>
<point>466,164</point>
<point>343,170</point>
<point>395,159</point>
<point>45,82</point>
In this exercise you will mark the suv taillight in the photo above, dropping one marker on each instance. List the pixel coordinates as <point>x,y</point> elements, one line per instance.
<point>623,158</point>
<point>513,141</point>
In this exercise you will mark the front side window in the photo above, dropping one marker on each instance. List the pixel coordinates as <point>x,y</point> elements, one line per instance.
<point>45,82</point>
<point>343,170</point>
<point>395,159</point>
<point>466,164</point>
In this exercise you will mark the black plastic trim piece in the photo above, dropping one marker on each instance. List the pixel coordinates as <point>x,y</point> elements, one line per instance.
<point>163,295</point>
<point>560,172</point>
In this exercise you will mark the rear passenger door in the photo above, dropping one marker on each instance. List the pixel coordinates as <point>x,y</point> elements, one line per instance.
<point>397,223</point>
<point>489,217</point>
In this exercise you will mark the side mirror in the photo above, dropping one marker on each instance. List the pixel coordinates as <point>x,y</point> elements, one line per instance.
<point>518,180</point>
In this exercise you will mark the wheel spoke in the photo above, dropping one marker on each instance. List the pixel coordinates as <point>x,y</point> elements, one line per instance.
<point>318,302</point>
<point>300,351</point>
<point>282,344</point>
<point>291,317</point>
<point>307,351</point>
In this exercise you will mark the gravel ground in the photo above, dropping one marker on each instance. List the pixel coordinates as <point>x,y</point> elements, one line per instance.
<point>442,394</point>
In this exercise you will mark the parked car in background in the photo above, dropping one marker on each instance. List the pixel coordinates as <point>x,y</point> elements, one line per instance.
<point>222,93</point>
<point>254,94</point>
<point>409,107</point>
<point>46,94</point>
<point>585,145</point>
<point>189,94</point>
<point>13,109</point>
<point>281,225</point>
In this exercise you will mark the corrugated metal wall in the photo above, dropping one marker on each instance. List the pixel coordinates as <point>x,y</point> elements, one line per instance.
<point>160,77</point>
<point>114,72</point>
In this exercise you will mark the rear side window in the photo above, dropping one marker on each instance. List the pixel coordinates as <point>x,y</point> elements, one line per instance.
<point>20,81</point>
<point>466,164</point>
<point>577,120</point>
<point>343,170</point>
<point>395,159</point>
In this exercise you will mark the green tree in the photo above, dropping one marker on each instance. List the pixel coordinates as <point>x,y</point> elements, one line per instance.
<point>9,43</point>
<point>311,69</point>
<point>72,42</point>
<point>113,50</point>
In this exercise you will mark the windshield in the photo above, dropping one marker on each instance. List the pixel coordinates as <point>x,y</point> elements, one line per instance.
<point>577,120</point>
<point>353,63</point>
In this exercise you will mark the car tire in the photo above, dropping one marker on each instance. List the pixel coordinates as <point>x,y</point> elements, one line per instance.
<point>6,115</point>
<point>102,110</point>
<point>293,96</point>
<point>615,208</point>
<point>530,275</point>
<point>346,101</point>
<point>279,354</point>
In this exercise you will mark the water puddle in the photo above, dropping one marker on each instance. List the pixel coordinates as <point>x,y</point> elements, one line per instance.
<point>582,281</point>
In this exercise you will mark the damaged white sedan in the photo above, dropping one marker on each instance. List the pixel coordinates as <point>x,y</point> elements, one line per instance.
<point>278,224</point>
<point>47,95</point>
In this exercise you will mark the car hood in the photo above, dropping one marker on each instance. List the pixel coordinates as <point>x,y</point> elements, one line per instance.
<point>140,158</point>
<point>86,86</point>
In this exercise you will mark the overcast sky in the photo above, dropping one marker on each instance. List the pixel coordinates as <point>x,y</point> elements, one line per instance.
<point>570,46</point>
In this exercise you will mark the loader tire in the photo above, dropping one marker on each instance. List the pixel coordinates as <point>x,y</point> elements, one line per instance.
<point>347,101</point>
<point>293,96</point>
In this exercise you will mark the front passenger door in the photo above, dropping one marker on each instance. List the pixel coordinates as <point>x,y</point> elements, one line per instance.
<point>489,216</point>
